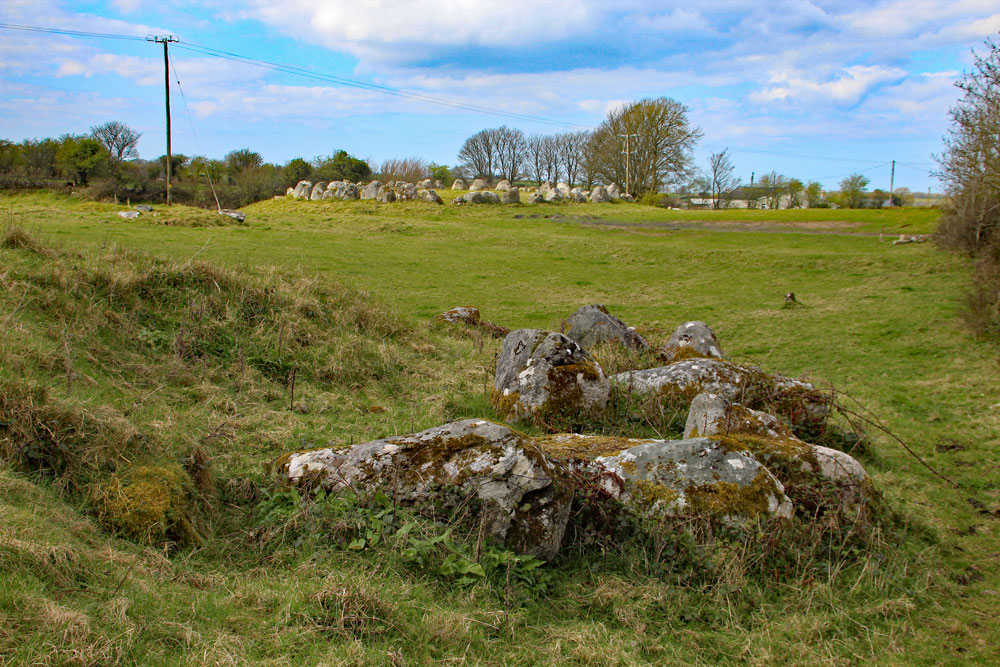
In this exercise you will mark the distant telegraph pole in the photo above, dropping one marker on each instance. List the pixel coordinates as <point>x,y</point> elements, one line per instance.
<point>628,160</point>
<point>165,40</point>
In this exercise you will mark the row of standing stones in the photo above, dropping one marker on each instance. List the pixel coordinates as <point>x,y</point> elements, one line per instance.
<point>479,192</point>
<point>734,463</point>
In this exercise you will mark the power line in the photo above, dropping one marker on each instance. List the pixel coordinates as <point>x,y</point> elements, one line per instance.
<point>352,83</point>
<point>73,33</point>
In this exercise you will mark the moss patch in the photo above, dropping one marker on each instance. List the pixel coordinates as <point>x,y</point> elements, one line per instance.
<point>728,499</point>
<point>154,503</point>
<point>583,447</point>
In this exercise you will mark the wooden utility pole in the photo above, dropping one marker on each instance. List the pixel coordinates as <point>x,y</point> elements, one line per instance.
<point>892,183</point>
<point>165,40</point>
<point>628,160</point>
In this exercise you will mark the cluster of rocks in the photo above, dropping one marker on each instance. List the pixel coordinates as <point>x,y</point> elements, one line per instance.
<point>479,192</point>
<point>238,216</point>
<point>383,192</point>
<point>734,463</point>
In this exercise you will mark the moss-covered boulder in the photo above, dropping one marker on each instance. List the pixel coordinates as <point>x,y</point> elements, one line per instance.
<point>815,476</point>
<point>524,501</point>
<point>591,325</point>
<point>695,477</point>
<point>692,339</point>
<point>800,403</point>
<point>543,374</point>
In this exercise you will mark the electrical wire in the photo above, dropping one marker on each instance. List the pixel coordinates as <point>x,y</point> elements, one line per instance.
<point>352,83</point>
<point>72,33</point>
<point>197,141</point>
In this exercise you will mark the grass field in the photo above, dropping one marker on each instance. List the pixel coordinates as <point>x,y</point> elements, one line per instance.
<point>83,317</point>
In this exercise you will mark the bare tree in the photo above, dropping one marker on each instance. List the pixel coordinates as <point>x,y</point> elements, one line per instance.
<point>534,157</point>
<point>478,154</point>
<point>408,169</point>
<point>722,179</point>
<point>550,158</point>
<point>511,148</point>
<point>571,146</point>
<point>118,138</point>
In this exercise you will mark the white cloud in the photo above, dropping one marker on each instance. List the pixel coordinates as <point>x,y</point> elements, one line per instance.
<point>845,89</point>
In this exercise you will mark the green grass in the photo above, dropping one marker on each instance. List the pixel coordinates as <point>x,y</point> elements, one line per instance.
<point>92,324</point>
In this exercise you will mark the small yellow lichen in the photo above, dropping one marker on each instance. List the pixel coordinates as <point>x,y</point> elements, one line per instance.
<point>647,493</point>
<point>582,447</point>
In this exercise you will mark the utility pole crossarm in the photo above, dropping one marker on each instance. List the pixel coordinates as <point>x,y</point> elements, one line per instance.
<point>166,40</point>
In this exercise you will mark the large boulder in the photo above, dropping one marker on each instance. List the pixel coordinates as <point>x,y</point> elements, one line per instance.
<point>563,189</point>
<point>536,197</point>
<point>372,190</point>
<point>459,184</point>
<point>792,460</point>
<point>692,339</point>
<point>510,196</point>
<point>599,195</point>
<point>303,189</point>
<point>798,402</point>
<point>385,195</point>
<point>577,197</point>
<point>591,325</point>
<point>317,191</point>
<point>478,185</point>
<point>614,191</point>
<point>350,191</point>
<point>425,183</point>
<point>429,195</point>
<point>542,374</point>
<point>406,192</point>
<point>523,501</point>
<point>474,197</point>
<point>552,195</point>
<point>695,477</point>
<point>503,185</point>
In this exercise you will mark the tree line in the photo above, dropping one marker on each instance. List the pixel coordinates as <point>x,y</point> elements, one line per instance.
<point>645,146</point>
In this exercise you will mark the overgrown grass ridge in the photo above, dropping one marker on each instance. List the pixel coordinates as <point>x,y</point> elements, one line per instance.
<point>151,375</point>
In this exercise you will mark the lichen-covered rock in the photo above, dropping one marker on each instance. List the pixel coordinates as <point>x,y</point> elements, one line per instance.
<point>692,339</point>
<point>552,195</point>
<point>406,192</point>
<point>458,184</point>
<point>510,196</point>
<point>577,197</point>
<point>474,197</point>
<point>372,190</point>
<point>798,402</point>
<point>461,315</point>
<point>429,196</point>
<point>385,196</point>
<point>599,195</point>
<point>503,185</point>
<point>563,189</point>
<point>524,502</point>
<point>488,197</point>
<point>317,191</point>
<point>792,460</point>
<point>303,189</point>
<point>478,185</point>
<point>712,414</point>
<point>350,191</point>
<point>614,191</point>
<point>536,197</point>
<point>426,183</point>
<point>542,374</point>
<point>691,477</point>
<point>591,325</point>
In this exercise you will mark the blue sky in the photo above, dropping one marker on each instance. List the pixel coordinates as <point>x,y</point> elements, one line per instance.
<point>811,89</point>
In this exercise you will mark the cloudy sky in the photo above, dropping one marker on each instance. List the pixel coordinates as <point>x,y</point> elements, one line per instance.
<point>813,89</point>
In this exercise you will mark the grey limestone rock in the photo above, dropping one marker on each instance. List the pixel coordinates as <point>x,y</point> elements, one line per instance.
<point>536,197</point>
<point>692,339</point>
<point>478,185</point>
<point>429,195</point>
<point>599,195</point>
<point>372,190</point>
<point>591,325</point>
<point>523,500</point>
<point>542,373</point>
<point>459,184</point>
<point>302,190</point>
<point>317,191</point>
<point>503,185</point>
<point>510,196</point>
